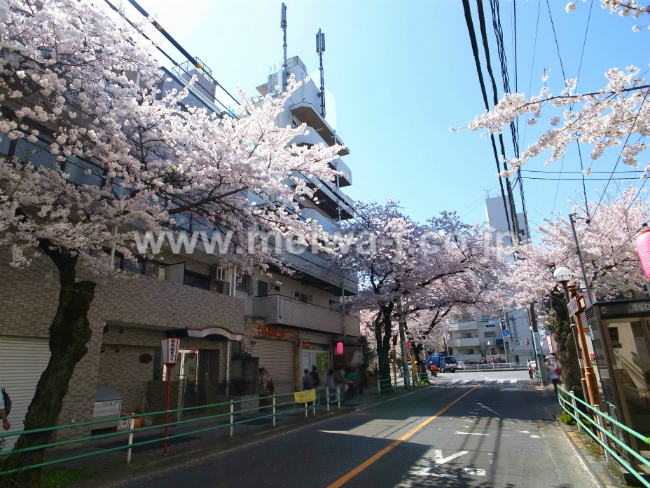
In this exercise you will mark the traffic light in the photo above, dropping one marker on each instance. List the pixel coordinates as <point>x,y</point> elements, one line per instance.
<point>527,342</point>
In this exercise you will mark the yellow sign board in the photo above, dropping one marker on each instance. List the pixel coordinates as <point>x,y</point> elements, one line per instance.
<point>306,396</point>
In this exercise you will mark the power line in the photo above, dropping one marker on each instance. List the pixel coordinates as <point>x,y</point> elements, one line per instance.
<point>176,64</point>
<point>479,71</point>
<point>577,179</point>
<point>584,42</point>
<point>488,63</point>
<point>197,64</point>
<point>580,172</point>
<point>532,64</point>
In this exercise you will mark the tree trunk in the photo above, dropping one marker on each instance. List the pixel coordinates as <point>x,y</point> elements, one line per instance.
<point>69,333</point>
<point>402,328</point>
<point>383,330</point>
<point>566,346</point>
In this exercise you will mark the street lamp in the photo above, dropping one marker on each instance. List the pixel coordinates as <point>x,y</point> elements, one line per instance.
<point>563,275</point>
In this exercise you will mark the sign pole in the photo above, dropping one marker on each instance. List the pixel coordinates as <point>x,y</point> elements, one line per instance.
<point>575,307</point>
<point>167,404</point>
<point>170,350</point>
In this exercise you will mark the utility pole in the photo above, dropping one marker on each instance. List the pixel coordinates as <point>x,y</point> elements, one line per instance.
<point>538,349</point>
<point>582,264</point>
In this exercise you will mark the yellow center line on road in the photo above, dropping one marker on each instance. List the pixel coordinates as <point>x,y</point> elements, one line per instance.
<point>344,479</point>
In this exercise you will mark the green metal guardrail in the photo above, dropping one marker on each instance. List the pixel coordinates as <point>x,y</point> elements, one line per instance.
<point>328,397</point>
<point>571,408</point>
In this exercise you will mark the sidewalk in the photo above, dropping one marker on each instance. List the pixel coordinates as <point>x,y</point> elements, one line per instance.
<point>110,467</point>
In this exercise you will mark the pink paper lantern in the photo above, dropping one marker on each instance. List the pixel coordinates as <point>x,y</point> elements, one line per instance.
<point>643,248</point>
<point>339,348</point>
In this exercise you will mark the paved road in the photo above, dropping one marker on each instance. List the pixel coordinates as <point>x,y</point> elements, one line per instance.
<point>491,430</point>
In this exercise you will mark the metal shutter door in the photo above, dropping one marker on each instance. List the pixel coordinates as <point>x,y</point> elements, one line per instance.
<point>277,358</point>
<point>22,361</point>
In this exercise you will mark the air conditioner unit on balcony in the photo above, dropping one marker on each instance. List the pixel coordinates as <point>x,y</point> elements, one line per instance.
<point>160,273</point>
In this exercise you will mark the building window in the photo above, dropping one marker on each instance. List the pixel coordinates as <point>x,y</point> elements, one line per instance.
<point>489,334</point>
<point>465,335</point>
<point>470,351</point>
<point>196,280</point>
<point>244,284</point>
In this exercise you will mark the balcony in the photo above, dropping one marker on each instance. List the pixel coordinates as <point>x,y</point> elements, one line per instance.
<point>467,342</point>
<point>322,273</point>
<point>463,325</point>
<point>328,225</point>
<point>330,197</point>
<point>281,310</point>
<point>346,178</point>
<point>307,113</point>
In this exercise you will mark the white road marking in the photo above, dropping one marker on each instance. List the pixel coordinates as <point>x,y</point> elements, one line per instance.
<point>468,433</point>
<point>488,381</point>
<point>513,381</point>
<point>440,460</point>
<point>425,472</point>
<point>488,408</point>
<point>464,382</point>
<point>454,382</point>
<point>525,431</point>
<point>500,381</point>
<point>535,436</point>
<point>474,471</point>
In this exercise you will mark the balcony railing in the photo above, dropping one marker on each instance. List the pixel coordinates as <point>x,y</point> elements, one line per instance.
<point>318,267</point>
<point>281,310</point>
<point>465,342</point>
<point>468,325</point>
<point>328,225</point>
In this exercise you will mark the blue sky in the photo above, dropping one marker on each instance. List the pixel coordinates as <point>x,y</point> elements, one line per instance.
<point>402,73</point>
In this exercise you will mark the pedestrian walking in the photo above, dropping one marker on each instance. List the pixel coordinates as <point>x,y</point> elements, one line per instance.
<point>306,381</point>
<point>363,378</point>
<point>315,380</point>
<point>531,371</point>
<point>352,381</point>
<point>339,380</point>
<point>329,378</point>
<point>3,411</point>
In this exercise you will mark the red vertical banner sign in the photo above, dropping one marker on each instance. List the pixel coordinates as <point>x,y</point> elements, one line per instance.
<point>170,350</point>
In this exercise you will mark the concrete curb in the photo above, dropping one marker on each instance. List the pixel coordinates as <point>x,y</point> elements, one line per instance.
<point>598,474</point>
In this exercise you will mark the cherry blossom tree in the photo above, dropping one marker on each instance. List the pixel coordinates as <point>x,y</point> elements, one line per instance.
<point>423,272</point>
<point>607,243</point>
<point>616,116</point>
<point>66,83</point>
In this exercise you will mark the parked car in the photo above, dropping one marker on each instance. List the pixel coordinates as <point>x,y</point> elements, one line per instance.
<point>461,364</point>
<point>449,364</point>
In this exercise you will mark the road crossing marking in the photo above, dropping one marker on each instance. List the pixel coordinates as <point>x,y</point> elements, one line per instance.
<point>500,381</point>
<point>475,472</point>
<point>454,382</point>
<point>512,382</point>
<point>425,472</point>
<point>464,382</point>
<point>469,433</point>
<point>347,477</point>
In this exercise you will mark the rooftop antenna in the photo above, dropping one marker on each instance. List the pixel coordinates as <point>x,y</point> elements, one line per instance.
<point>320,49</point>
<point>283,25</point>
